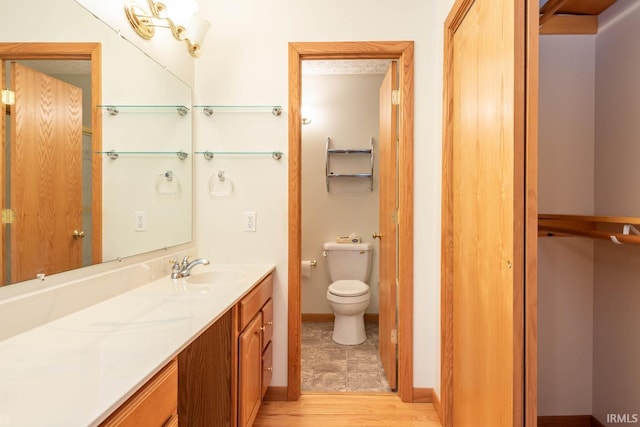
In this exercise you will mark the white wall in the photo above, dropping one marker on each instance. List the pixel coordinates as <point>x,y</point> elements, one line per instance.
<point>565,272</point>
<point>345,108</point>
<point>245,62</point>
<point>617,294</point>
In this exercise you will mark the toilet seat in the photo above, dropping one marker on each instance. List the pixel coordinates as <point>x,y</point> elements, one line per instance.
<point>348,288</point>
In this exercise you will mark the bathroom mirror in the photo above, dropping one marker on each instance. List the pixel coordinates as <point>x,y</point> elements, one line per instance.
<point>145,162</point>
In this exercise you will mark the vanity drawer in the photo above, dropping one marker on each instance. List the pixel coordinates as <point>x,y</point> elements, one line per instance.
<point>267,367</point>
<point>251,304</point>
<point>155,404</point>
<point>267,323</point>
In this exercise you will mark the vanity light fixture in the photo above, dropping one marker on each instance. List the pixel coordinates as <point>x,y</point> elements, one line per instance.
<point>180,16</point>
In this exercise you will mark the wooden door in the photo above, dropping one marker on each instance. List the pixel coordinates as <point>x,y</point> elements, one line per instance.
<point>3,148</point>
<point>483,214</point>
<point>46,125</point>
<point>388,312</point>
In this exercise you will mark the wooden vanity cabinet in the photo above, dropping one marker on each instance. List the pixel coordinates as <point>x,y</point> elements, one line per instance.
<point>154,405</point>
<point>255,329</point>
<point>217,380</point>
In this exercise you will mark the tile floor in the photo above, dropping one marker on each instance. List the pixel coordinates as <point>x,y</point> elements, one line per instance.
<point>328,366</point>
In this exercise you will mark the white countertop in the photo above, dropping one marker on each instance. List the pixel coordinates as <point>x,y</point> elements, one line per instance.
<point>78,369</point>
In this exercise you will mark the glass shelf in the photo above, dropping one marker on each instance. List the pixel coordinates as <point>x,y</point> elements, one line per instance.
<point>276,155</point>
<point>208,110</point>
<point>114,154</point>
<point>114,110</point>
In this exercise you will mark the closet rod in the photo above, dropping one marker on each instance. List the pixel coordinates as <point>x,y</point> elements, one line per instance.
<point>551,230</point>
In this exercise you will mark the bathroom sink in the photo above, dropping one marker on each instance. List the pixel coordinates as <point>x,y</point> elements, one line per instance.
<point>216,276</point>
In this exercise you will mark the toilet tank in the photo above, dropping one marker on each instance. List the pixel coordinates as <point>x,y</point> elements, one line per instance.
<point>348,261</point>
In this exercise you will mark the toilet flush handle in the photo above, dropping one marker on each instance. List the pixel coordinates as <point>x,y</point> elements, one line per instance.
<point>376,235</point>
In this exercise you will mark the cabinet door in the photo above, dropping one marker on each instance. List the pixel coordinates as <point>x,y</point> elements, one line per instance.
<point>250,372</point>
<point>267,368</point>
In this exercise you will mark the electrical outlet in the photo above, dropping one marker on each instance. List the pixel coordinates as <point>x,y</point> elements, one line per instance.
<point>140,222</point>
<point>250,221</point>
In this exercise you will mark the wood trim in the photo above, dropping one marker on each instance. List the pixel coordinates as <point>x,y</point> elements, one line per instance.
<point>295,224</point>
<point>571,24</point>
<point>329,317</point>
<point>549,9</point>
<point>436,404</point>
<point>423,395</point>
<point>75,51</point>
<point>565,421</point>
<point>531,218</point>
<point>520,206</point>
<point>276,394</point>
<point>595,422</point>
<point>457,13</point>
<point>96,165</point>
<point>403,51</point>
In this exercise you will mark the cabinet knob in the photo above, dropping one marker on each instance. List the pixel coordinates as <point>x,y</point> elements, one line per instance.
<point>78,234</point>
<point>269,369</point>
<point>376,235</point>
<point>269,323</point>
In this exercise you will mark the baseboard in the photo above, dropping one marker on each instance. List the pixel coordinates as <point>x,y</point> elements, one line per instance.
<point>422,395</point>
<point>328,317</point>
<point>436,405</point>
<point>566,421</point>
<point>275,394</point>
<point>595,422</point>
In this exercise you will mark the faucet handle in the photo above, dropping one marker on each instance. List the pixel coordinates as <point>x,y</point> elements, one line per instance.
<point>185,261</point>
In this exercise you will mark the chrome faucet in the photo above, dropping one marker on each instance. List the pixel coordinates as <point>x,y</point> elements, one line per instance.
<point>183,269</point>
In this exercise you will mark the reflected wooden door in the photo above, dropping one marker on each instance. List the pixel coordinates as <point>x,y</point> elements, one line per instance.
<point>388,312</point>
<point>483,214</point>
<point>46,174</point>
<point>3,148</point>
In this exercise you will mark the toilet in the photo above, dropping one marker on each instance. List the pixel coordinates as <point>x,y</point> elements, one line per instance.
<point>348,265</point>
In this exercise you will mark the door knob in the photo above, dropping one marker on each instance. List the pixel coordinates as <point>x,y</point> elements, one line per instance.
<point>78,234</point>
<point>376,235</point>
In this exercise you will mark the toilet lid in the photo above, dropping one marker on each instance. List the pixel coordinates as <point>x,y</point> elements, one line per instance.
<point>348,288</point>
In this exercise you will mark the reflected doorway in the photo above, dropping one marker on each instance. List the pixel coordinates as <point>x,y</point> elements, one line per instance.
<point>51,181</point>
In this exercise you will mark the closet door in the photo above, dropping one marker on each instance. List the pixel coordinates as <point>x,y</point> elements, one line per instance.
<point>484,214</point>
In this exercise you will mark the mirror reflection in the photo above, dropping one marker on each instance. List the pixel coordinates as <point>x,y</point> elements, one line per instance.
<point>97,160</point>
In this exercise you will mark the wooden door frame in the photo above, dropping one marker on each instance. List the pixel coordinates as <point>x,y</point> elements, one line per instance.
<point>75,51</point>
<point>528,226</point>
<point>402,51</point>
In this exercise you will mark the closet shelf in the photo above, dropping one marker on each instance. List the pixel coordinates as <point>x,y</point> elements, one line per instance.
<point>596,227</point>
<point>208,110</point>
<point>114,110</point>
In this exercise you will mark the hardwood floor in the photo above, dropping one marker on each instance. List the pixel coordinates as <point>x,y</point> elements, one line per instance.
<point>347,409</point>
